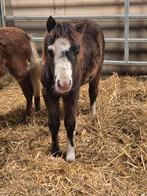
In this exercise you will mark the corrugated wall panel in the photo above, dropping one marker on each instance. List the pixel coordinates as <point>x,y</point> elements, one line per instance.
<point>74,7</point>
<point>112,28</point>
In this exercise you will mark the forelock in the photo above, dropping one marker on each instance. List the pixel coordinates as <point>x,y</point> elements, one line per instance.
<point>62,44</point>
<point>66,30</point>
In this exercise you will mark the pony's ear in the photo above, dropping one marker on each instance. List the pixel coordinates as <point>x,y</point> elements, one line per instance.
<point>79,27</point>
<point>50,24</point>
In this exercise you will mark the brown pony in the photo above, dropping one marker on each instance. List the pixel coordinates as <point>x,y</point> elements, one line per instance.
<point>73,54</point>
<point>19,56</point>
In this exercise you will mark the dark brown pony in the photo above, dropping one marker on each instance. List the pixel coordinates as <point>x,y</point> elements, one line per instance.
<point>73,54</point>
<point>19,56</point>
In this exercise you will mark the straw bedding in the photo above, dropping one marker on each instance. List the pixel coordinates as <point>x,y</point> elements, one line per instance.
<point>111,155</point>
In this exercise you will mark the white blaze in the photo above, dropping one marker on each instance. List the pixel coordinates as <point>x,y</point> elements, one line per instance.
<point>63,67</point>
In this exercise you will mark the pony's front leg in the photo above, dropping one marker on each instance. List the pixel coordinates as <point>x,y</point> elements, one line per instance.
<point>52,104</point>
<point>70,103</point>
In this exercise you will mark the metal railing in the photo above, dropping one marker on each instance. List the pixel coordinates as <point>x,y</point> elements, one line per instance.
<point>126,40</point>
<point>2,13</point>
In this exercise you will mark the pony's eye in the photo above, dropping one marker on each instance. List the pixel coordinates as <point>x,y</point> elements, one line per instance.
<point>75,48</point>
<point>50,52</point>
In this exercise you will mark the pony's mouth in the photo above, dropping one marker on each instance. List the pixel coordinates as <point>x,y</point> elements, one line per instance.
<point>61,90</point>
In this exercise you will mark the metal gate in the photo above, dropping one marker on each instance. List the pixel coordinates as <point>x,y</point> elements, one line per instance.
<point>125,40</point>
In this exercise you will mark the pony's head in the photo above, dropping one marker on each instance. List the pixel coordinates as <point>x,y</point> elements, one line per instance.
<point>62,49</point>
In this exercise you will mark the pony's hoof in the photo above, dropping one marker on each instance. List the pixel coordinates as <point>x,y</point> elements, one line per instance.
<point>27,119</point>
<point>37,109</point>
<point>93,122</point>
<point>55,152</point>
<point>70,157</point>
<point>37,104</point>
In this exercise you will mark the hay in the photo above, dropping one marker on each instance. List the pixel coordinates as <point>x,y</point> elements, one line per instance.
<point>5,79</point>
<point>111,155</point>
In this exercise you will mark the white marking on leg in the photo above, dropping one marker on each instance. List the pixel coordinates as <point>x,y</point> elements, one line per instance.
<point>29,66</point>
<point>93,111</point>
<point>70,156</point>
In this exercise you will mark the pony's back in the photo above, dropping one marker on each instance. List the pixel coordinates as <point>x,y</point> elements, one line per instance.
<point>14,42</point>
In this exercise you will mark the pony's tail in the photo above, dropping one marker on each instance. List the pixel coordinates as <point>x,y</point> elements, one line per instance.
<point>101,48</point>
<point>5,76</point>
<point>35,71</point>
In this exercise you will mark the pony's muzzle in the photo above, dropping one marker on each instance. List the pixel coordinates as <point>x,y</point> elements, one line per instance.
<point>64,85</point>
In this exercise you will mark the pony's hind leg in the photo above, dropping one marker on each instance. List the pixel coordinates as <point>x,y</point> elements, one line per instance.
<point>27,88</point>
<point>93,93</point>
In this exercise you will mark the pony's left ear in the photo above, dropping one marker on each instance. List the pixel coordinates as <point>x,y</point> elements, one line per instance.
<point>79,27</point>
<point>50,24</point>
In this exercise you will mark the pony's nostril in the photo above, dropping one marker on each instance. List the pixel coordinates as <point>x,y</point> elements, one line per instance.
<point>69,82</point>
<point>58,83</point>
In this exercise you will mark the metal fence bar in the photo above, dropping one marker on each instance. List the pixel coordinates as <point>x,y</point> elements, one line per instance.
<point>126,32</point>
<point>138,17</point>
<point>130,40</point>
<point>17,18</point>
<point>108,17</point>
<point>136,63</point>
<point>108,40</point>
<point>2,13</point>
<point>137,40</point>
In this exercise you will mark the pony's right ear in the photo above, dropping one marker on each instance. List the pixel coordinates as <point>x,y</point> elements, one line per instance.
<point>50,24</point>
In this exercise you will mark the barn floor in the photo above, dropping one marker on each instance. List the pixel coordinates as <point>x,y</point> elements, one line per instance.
<point>111,156</point>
